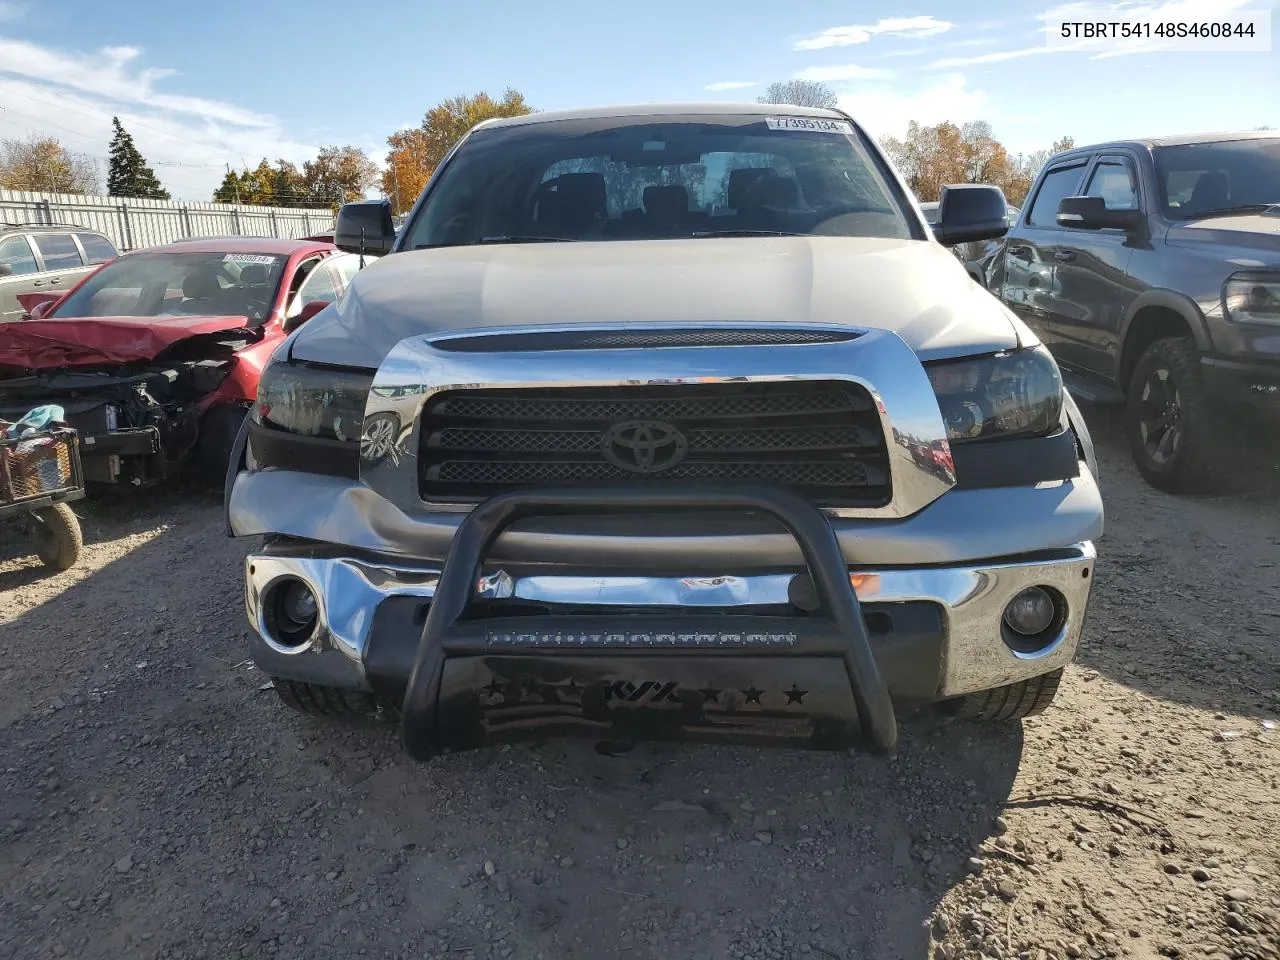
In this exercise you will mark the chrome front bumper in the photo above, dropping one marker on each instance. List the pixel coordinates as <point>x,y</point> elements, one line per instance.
<point>972,598</point>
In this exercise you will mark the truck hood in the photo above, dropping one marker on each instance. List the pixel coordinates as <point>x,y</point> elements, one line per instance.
<point>100,341</point>
<point>916,289</point>
<point>1258,232</point>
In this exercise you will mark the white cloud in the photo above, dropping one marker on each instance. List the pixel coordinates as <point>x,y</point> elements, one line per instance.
<point>889,27</point>
<point>841,72</point>
<point>188,140</point>
<point>886,110</point>
<point>722,85</point>
<point>109,73</point>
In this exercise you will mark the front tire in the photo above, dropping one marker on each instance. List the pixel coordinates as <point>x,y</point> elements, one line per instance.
<point>316,700</point>
<point>1014,702</point>
<point>1170,426</point>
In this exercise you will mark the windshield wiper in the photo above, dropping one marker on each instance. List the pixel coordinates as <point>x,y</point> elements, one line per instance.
<point>518,239</point>
<point>1228,211</point>
<point>744,233</point>
<point>497,239</point>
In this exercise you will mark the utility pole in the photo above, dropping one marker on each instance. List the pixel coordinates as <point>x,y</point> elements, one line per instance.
<point>236,183</point>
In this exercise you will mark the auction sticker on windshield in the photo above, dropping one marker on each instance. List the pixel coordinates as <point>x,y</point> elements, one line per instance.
<point>810,124</point>
<point>248,258</point>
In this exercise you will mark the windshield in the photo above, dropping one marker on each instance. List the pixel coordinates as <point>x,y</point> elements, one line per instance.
<point>175,284</point>
<point>1199,178</point>
<point>659,177</point>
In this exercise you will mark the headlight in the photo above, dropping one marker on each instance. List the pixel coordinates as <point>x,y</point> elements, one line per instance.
<point>1252,301</point>
<point>1018,393</point>
<point>313,401</point>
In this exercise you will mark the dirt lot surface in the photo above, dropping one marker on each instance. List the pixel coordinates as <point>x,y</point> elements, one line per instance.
<point>156,802</point>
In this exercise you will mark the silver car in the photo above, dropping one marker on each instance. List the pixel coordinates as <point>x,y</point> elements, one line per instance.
<point>46,258</point>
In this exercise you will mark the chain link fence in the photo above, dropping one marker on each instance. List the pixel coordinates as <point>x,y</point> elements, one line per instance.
<point>132,223</point>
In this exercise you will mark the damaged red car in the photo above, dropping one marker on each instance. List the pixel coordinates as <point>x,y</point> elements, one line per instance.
<point>155,357</point>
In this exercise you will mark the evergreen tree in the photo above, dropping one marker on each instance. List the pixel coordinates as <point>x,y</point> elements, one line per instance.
<point>129,175</point>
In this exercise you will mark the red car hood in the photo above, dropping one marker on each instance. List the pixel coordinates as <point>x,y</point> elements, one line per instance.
<point>94,341</point>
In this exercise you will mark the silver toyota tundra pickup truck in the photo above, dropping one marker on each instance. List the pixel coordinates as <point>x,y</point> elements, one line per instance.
<point>666,422</point>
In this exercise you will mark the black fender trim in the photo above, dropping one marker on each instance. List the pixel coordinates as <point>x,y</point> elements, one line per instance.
<point>235,463</point>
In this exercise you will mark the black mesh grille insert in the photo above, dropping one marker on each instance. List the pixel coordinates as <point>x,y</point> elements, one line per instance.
<point>819,438</point>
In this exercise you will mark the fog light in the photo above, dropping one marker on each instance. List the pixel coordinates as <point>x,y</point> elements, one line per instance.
<point>292,612</point>
<point>1031,612</point>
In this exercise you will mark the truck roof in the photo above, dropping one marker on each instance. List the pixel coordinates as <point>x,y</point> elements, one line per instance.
<point>1181,140</point>
<point>664,110</point>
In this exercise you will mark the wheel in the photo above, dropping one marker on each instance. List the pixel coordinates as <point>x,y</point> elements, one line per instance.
<point>218,431</point>
<point>1017,700</point>
<point>1173,438</point>
<point>317,700</point>
<point>55,531</point>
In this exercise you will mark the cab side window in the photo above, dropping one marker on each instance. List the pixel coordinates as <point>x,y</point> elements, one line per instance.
<point>15,253</point>
<point>97,249</point>
<point>1113,181</point>
<point>1057,183</point>
<point>320,284</point>
<point>58,250</point>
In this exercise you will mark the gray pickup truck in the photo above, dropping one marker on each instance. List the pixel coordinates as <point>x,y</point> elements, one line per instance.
<point>666,422</point>
<point>1151,270</point>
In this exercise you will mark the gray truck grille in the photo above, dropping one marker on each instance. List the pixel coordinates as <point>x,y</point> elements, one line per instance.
<point>819,438</point>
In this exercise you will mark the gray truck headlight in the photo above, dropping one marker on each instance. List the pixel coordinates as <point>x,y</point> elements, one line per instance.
<point>1016,393</point>
<point>313,401</point>
<point>1248,300</point>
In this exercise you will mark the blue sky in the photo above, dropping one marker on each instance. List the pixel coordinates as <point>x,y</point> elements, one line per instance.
<point>201,85</point>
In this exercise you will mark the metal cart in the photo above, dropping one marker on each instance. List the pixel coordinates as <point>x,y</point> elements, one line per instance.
<point>39,476</point>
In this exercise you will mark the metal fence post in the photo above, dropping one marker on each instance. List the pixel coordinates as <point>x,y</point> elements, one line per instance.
<point>235,220</point>
<point>186,219</point>
<point>47,206</point>
<point>275,226</point>
<point>126,228</point>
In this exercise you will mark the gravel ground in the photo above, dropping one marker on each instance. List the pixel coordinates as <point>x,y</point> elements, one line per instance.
<point>158,803</point>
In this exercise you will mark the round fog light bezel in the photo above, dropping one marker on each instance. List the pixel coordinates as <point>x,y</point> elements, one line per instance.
<point>1031,640</point>
<point>284,626</point>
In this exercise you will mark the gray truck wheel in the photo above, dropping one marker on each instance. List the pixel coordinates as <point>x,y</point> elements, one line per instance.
<point>1171,429</point>
<point>1017,700</point>
<point>317,700</point>
<point>57,537</point>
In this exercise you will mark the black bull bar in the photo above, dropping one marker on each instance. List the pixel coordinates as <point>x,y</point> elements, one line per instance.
<point>657,675</point>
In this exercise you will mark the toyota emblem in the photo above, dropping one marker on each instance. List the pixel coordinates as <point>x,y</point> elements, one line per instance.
<point>644,446</point>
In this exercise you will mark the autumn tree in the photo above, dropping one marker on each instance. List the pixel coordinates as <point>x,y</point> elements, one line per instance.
<point>417,151</point>
<point>800,93</point>
<point>929,158</point>
<point>337,175</point>
<point>128,174</point>
<point>43,164</point>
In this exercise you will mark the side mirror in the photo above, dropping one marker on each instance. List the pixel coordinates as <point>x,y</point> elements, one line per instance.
<point>309,310</point>
<point>969,212</point>
<point>6,270</point>
<point>365,227</point>
<point>38,305</point>
<point>1092,213</point>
